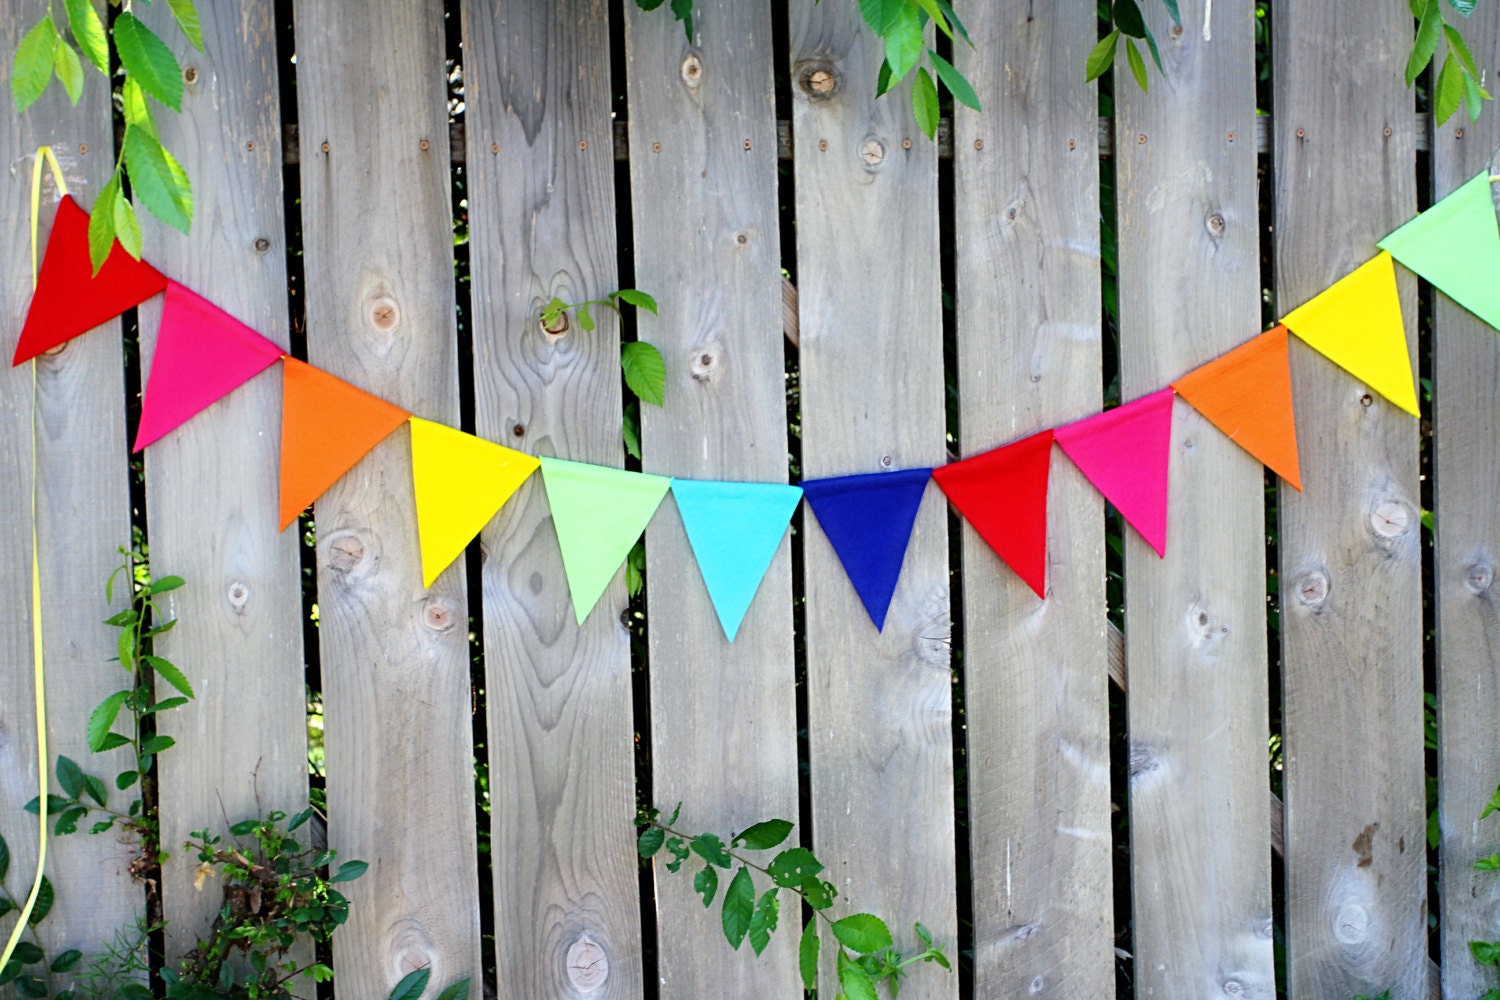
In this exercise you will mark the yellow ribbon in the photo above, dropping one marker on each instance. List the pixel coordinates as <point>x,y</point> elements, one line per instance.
<point>42,153</point>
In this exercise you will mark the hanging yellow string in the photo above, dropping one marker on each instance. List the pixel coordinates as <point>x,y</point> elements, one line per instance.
<point>43,153</point>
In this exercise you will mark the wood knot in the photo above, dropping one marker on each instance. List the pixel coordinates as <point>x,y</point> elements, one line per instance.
<point>704,364</point>
<point>190,75</point>
<point>692,70</point>
<point>1215,224</point>
<point>1037,984</point>
<point>1312,589</point>
<point>1352,923</point>
<point>557,327</point>
<point>238,595</point>
<point>346,552</point>
<point>1176,31</point>
<point>588,965</point>
<point>53,352</point>
<point>437,615</point>
<point>886,461</point>
<point>262,244</point>
<point>385,314</point>
<point>1391,519</point>
<point>1233,988</point>
<point>1143,760</point>
<point>1478,577</point>
<point>872,151</point>
<point>819,81</point>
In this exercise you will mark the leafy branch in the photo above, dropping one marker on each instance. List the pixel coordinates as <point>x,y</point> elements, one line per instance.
<point>1127,24</point>
<point>1458,81</point>
<point>866,952</point>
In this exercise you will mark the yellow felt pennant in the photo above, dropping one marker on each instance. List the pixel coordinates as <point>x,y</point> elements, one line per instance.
<point>460,481</point>
<point>1356,324</point>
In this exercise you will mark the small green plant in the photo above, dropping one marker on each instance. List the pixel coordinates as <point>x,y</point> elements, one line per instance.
<point>866,953</point>
<point>1127,23</point>
<point>1488,952</point>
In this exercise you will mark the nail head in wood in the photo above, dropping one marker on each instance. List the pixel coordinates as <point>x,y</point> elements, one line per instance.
<point>519,430</point>
<point>425,145</point>
<point>83,148</point>
<point>692,70</point>
<point>250,147</point>
<point>494,147</point>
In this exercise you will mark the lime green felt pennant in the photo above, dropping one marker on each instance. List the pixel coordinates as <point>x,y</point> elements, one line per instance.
<point>1455,245</point>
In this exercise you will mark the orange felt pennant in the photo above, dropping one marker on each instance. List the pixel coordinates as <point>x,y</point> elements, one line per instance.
<point>327,425</point>
<point>1247,394</point>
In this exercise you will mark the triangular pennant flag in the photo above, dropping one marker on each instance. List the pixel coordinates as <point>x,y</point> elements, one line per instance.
<point>868,521</point>
<point>1356,324</point>
<point>598,512</point>
<point>460,482</point>
<point>735,530</point>
<point>1124,452</point>
<point>70,298</point>
<point>326,426</point>
<point>1003,494</point>
<point>1455,245</point>
<point>202,353</point>
<point>1247,394</point>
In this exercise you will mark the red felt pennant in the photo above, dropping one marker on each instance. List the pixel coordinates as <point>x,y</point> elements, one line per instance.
<point>1003,494</point>
<point>70,298</point>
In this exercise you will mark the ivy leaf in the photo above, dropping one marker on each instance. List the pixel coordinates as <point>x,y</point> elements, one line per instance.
<point>1102,57</point>
<point>807,954</point>
<point>763,921</point>
<point>159,182</point>
<point>412,985</point>
<point>645,372</point>
<point>864,933</point>
<point>69,69</point>
<point>764,836</point>
<point>650,841</point>
<point>147,59</point>
<point>101,241</point>
<point>32,67</point>
<point>69,776</point>
<point>924,103</point>
<point>88,31</point>
<point>1429,33</point>
<point>958,85</point>
<point>791,866</point>
<point>903,42</point>
<point>1137,64</point>
<point>44,900</point>
<point>706,883</point>
<point>739,904</point>
<point>168,671</point>
<point>1128,18</point>
<point>127,227</point>
<point>711,849</point>
<point>187,20</point>
<point>854,979</point>
<point>1449,90</point>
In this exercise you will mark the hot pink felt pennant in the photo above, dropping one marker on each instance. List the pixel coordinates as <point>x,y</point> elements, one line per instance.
<point>1123,452</point>
<point>202,354</point>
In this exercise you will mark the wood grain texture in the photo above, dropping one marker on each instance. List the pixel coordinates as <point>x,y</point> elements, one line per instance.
<point>1026,216</point>
<point>724,720</point>
<point>1466,426</point>
<point>1195,637</point>
<point>541,197</point>
<point>212,485</point>
<point>879,703</point>
<point>83,516</point>
<point>1350,554</point>
<point>376,223</point>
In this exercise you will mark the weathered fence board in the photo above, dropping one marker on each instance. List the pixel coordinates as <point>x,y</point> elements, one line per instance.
<point>82,517</point>
<point>1351,623</point>
<point>242,745</point>
<point>1026,217</point>
<point>879,704</point>
<point>706,240</point>
<point>376,218</point>
<point>1195,641</point>
<point>1466,438</point>
<point>543,223</point>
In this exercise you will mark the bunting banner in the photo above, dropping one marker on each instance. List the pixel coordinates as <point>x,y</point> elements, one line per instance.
<point>598,512</point>
<point>868,520</point>
<point>1247,394</point>
<point>1455,245</point>
<point>1003,494</point>
<point>1356,323</point>
<point>734,530</point>
<point>460,482</point>
<point>1124,452</point>
<point>202,354</point>
<point>327,425</point>
<point>70,298</point>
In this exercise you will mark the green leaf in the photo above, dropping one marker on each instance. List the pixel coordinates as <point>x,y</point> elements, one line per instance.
<point>854,979</point>
<point>683,11</point>
<point>67,820</point>
<point>1449,90</point>
<point>1489,864</point>
<point>135,991</point>
<point>44,900</point>
<point>102,825</point>
<point>958,26</point>
<point>27,953</point>
<point>32,68</point>
<point>69,776</point>
<point>635,567</point>
<point>66,961</point>
<point>412,985</point>
<point>1172,10</point>
<point>807,954</point>
<point>165,584</point>
<point>156,745</point>
<point>818,893</point>
<point>166,704</point>
<point>103,718</point>
<point>1102,57</point>
<point>650,841</point>
<point>1493,805</point>
<point>32,988</point>
<point>349,871</point>
<point>456,991</point>
<point>158,181</point>
<point>739,904</point>
<point>1128,18</point>
<point>938,17</point>
<point>711,849</point>
<point>763,836</point>
<point>111,741</point>
<point>1137,64</point>
<point>169,672</point>
<point>1485,952</point>
<point>1464,7</point>
<point>763,921</point>
<point>69,69</point>
<point>147,59</point>
<point>957,84</point>
<point>88,31</point>
<point>884,80</point>
<point>4,858</point>
<point>791,866</point>
<point>637,298</point>
<point>585,318</point>
<point>135,107</point>
<point>94,786</point>
<point>10,972</point>
<point>1155,54</point>
<point>1429,33</point>
<point>1473,97</point>
<point>677,812</point>
<point>924,103</point>
<point>1461,49</point>
<point>864,933</point>
<point>645,371</point>
<point>706,883</point>
<point>187,20</point>
<point>903,42</point>
<point>127,228</point>
<point>5,907</point>
<point>630,433</point>
<point>881,14</point>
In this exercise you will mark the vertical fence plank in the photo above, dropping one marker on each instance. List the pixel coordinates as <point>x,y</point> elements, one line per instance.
<point>723,717</point>
<point>1466,369</point>
<point>83,516</point>
<point>1189,251</point>
<point>541,201</point>
<point>1027,220</point>
<point>1350,555</point>
<point>212,484</point>
<point>376,226</point>
<point>879,703</point>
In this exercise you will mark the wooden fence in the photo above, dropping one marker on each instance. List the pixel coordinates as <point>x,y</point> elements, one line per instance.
<point>705,210</point>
